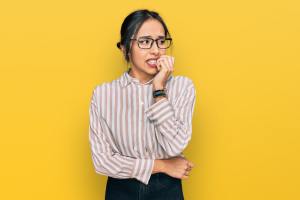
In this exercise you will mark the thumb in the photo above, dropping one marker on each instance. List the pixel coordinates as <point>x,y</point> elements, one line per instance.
<point>158,65</point>
<point>192,164</point>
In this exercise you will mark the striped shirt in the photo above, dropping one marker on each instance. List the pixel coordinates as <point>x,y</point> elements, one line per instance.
<point>128,130</point>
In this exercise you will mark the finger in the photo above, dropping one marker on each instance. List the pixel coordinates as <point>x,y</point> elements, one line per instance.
<point>192,164</point>
<point>163,60</point>
<point>186,173</point>
<point>184,177</point>
<point>189,169</point>
<point>167,62</point>
<point>169,58</point>
<point>170,62</point>
<point>169,66</point>
<point>158,65</point>
<point>164,65</point>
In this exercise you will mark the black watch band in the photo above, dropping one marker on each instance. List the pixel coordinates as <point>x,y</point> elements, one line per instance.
<point>158,93</point>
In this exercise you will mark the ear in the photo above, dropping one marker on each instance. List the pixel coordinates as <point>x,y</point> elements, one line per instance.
<point>122,49</point>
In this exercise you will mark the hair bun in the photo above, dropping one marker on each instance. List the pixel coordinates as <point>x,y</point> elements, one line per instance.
<point>119,45</point>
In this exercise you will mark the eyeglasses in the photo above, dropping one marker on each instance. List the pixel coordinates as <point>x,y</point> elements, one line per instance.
<point>146,43</point>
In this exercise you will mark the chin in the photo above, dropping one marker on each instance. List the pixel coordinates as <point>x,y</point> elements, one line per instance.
<point>152,71</point>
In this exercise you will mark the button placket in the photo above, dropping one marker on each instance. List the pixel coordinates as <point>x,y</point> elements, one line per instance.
<point>143,100</point>
<point>137,136</point>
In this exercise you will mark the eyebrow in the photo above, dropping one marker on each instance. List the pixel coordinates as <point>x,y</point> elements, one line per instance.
<point>148,36</point>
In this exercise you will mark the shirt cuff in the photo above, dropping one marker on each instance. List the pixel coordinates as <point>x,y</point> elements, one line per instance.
<point>160,111</point>
<point>143,170</point>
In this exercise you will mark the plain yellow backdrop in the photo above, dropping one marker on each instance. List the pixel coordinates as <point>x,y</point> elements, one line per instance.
<point>243,57</point>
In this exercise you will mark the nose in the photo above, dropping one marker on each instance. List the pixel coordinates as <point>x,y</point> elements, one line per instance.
<point>154,49</point>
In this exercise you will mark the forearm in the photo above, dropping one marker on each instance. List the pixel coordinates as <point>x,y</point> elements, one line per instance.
<point>173,132</point>
<point>159,98</point>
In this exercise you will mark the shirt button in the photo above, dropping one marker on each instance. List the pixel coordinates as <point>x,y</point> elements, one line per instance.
<point>147,150</point>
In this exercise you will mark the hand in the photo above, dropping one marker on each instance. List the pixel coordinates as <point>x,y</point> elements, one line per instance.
<point>178,167</point>
<point>165,66</point>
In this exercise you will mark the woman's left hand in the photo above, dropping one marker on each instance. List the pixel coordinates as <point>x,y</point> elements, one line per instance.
<point>165,66</point>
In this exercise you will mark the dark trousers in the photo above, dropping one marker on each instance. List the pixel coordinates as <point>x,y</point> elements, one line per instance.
<point>160,187</point>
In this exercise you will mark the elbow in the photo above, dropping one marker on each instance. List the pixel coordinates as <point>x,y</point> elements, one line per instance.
<point>176,150</point>
<point>99,166</point>
<point>177,147</point>
<point>101,171</point>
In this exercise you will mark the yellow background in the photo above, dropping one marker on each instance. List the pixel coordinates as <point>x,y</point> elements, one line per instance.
<point>242,55</point>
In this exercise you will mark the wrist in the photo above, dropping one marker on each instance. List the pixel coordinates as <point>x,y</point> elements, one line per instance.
<point>159,92</point>
<point>158,87</point>
<point>159,166</point>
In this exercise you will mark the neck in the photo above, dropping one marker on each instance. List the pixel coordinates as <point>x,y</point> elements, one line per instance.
<point>142,77</point>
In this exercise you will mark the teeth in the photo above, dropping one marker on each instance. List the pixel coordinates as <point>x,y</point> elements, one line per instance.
<point>151,62</point>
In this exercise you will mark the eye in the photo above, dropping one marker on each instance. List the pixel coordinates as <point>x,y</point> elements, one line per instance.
<point>162,41</point>
<point>144,41</point>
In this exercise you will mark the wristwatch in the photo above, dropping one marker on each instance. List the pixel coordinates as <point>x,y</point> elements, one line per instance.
<point>158,93</point>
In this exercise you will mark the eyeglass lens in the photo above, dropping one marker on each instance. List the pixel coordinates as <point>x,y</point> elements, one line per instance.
<point>146,43</point>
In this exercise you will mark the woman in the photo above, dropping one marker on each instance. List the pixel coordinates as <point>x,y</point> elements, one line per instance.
<point>141,122</point>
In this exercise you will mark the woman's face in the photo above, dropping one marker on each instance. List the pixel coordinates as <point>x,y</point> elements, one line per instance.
<point>141,65</point>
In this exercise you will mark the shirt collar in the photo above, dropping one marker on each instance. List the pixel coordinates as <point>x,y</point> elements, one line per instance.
<point>126,79</point>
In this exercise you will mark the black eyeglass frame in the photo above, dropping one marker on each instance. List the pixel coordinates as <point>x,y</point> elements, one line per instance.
<point>152,41</point>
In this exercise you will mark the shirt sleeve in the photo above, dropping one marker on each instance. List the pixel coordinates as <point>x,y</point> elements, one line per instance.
<point>105,160</point>
<point>173,123</point>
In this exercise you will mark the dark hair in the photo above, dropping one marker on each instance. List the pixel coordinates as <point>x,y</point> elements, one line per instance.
<point>132,24</point>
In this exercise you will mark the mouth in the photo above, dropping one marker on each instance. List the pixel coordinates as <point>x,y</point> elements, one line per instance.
<point>152,62</point>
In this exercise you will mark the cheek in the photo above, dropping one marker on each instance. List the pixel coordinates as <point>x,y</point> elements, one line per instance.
<point>162,52</point>
<point>139,56</point>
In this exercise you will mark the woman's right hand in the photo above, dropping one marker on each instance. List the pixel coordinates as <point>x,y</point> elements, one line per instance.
<point>178,167</point>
